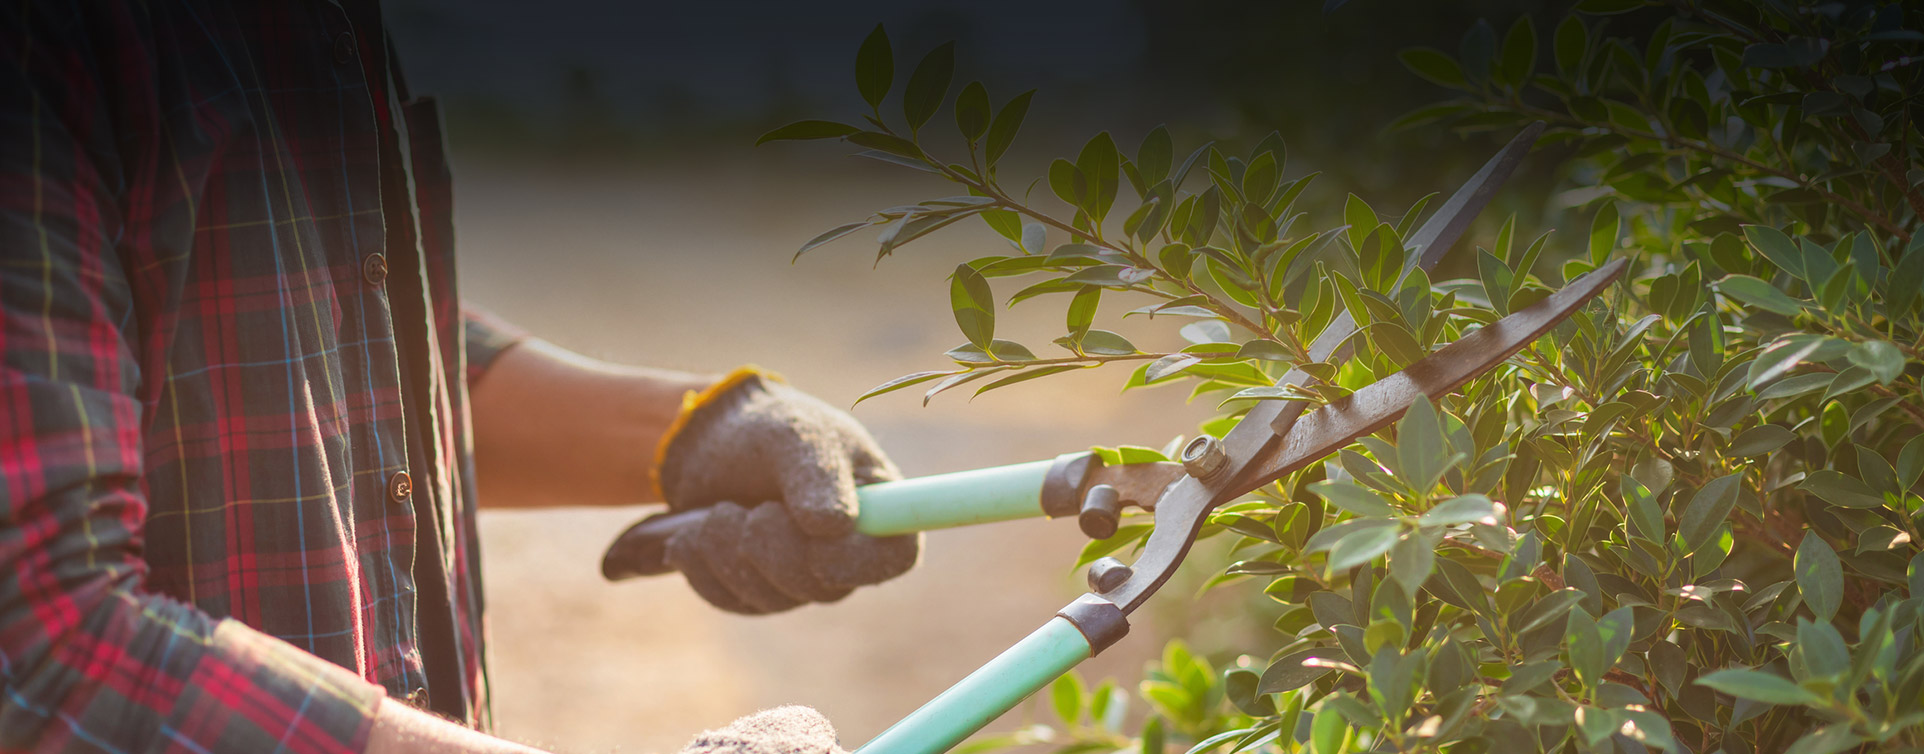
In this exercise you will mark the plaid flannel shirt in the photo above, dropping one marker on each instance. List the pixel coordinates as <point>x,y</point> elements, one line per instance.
<point>236,496</point>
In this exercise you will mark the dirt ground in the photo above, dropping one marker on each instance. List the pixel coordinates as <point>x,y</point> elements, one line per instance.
<point>688,267</point>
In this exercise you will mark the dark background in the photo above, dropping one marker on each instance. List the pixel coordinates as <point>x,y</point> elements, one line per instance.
<point>603,82</point>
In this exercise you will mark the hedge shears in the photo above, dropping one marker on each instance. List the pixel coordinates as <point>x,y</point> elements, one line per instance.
<point>1273,439</point>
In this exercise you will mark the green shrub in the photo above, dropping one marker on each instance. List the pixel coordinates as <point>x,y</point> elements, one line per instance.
<point>1686,520</point>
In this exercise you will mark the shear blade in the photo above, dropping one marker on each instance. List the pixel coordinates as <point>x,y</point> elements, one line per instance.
<point>1187,503</point>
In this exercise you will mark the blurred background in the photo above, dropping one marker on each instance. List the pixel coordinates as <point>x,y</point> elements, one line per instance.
<point>609,199</point>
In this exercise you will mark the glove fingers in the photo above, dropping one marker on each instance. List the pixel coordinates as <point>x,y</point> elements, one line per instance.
<point>685,555</point>
<point>857,560</point>
<point>780,553</point>
<point>871,466</point>
<point>721,539</point>
<point>819,489</point>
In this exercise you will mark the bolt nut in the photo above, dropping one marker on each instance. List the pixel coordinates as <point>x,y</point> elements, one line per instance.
<point>1106,574</point>
<point>1204,457</point>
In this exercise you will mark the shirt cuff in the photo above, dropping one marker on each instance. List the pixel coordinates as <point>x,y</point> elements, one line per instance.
<point>253,692</point>
<point>487,338</point>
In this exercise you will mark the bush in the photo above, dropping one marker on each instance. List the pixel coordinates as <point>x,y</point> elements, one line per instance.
<point>1687,520</point>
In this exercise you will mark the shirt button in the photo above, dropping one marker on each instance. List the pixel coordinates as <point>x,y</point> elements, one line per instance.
<point>400,487</point>
<point>344,48</point>
<point>418,698</point>
<point>374,269</point>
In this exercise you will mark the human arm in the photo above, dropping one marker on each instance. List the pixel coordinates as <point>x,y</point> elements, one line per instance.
<point>552,427</point>
<point>400,729</point>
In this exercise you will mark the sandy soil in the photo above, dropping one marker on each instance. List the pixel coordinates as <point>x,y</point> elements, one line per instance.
<point>688,267</point>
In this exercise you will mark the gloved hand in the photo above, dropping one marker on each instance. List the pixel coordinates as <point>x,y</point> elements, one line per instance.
<point>779,469</point>
<point>783,730</point>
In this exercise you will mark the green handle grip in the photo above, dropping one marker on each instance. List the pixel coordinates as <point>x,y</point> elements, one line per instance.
<point>977,496</point>
<point>984,695</point>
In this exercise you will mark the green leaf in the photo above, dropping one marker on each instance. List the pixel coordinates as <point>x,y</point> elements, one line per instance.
<point>1154,155</point>
<point>1707,510</point>
<point>1098,163</point>
<point>1240,687</point>
<point>1353,498</point>
<point>1758,686</point>
<point>1603,234</point>
<point>1030,375</point>
<point>1884,361</point>
<point>1760,294</point>
<point>807,129</point>
<point>875,67</point>
<point>972,111</point>
<point>1106,343</point>
<point>1066,696</point>
<point>1830,739</point>
<point>1082,311</point>
<point>1787,352</point>
<point>1759,440</point>
<point>890,144</point>
<point>1288,673</point>
<point>1823,648</point>
<point>902,382</point>
<point>1497,280</point>
<point>1776,247</point>
<point>1360,219</point>
<point>1841,490</point>
<point>1434,66</point>
<point>1549,608</point>
<point>1910,465</point>
<point>1586,648</point>
<point>974,305</point>
<point>1259,179</point>
<point>1462,509</point>
<point>1008,121</point>
<point>1519,52</point>
<point>1421,450</point>
<point>1820,578</point>
<point>928,85</point>
<point>1169,365</point>
<point>1573,44</point>
<point>829,235</point>
<point>1361,546</point>
<point>1411,560</point>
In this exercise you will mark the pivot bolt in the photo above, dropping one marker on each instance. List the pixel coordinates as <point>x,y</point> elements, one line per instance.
<point>1204,457</point>
<point>1101,512</point>
<point>1108,573</point>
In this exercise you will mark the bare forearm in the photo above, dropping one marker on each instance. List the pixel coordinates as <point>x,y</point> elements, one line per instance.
<point>552,427</point>
<point>400,729</point>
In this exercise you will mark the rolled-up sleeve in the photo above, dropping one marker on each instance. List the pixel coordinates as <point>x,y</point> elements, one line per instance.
<point>89,659</point>
<point>487,338</point>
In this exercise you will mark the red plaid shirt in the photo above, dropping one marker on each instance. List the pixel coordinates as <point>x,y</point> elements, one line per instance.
<point>229,326</point>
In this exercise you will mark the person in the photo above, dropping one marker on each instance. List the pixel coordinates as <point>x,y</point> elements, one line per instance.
<point>245,421</point>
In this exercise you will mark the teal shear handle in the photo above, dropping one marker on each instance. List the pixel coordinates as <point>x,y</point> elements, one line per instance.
<point>984,695</point>
<point>942,501</point>
<point>977,496</point>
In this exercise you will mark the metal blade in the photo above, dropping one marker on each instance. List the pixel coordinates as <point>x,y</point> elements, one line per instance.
<point>1327,429</point>
<point>1260,427</point>
<point>1184,507</point>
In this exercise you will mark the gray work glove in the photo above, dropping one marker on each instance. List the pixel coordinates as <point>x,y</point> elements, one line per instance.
<point>778,469</point>
<point>783,730</point>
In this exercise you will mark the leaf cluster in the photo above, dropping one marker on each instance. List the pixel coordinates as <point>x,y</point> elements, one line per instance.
<point>1688,519</point>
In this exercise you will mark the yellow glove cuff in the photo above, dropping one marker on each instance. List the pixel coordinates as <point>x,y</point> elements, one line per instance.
<point>693,400</point>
